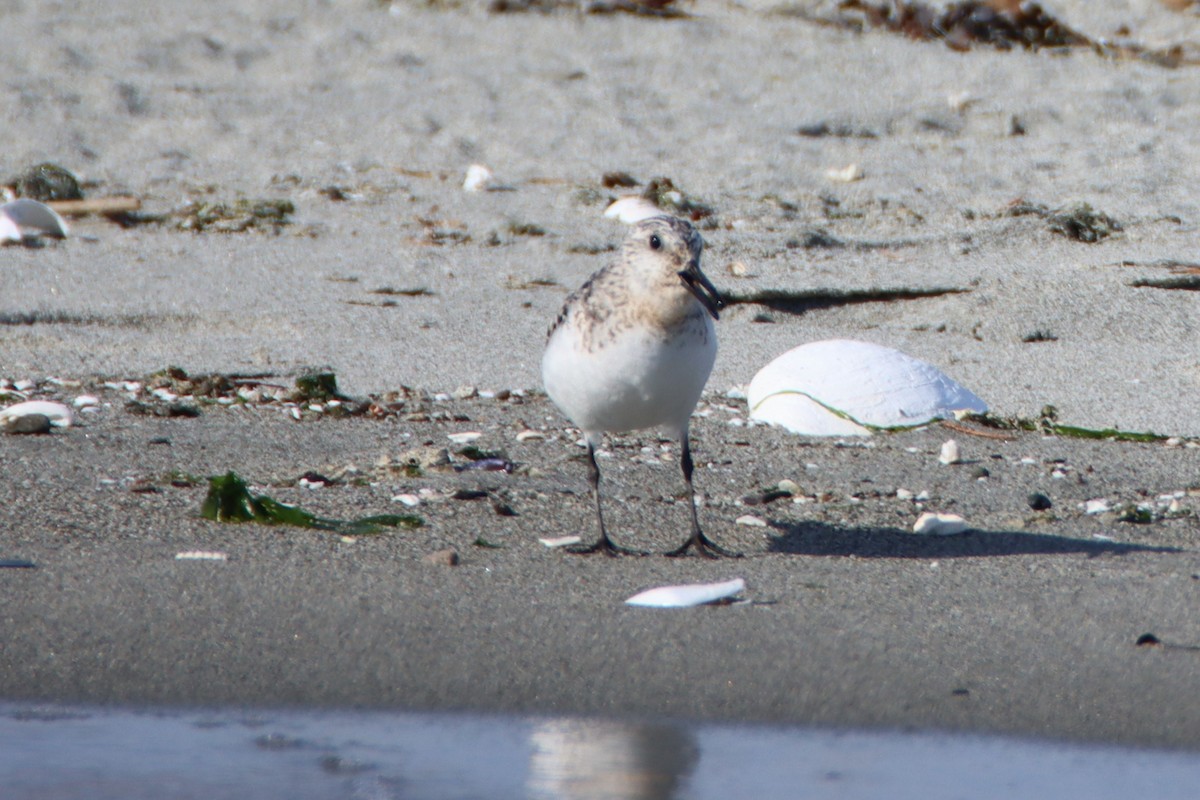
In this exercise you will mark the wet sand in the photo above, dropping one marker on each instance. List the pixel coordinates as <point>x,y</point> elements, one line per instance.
<point>1027,625</point>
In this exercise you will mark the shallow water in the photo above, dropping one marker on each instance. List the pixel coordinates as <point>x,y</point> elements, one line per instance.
<point>55,752</point>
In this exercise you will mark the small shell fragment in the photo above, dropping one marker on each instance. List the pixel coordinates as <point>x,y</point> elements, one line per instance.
<point>530,436</point>
<point>950,453</point>
<point>466,437</point>
<point>1098,505</point>
<point>85,401</point>
<point>58,414</point>
<point>201,555</point>
<point>561,541</point>
<point>632,210</point>
<point>692,594</point>
<point>847,174</point>
<point>751,521</point>
<point>477,179</point>
<point>940,524</point>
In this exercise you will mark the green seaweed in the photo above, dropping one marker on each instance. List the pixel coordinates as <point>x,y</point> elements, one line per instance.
<point>316,386</point>
<point>230,500</point>
<point>1047,423</point>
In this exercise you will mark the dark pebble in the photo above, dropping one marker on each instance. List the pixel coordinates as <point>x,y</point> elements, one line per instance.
<point>1039,502</point>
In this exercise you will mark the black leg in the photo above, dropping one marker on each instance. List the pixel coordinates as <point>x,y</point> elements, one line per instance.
<point>605,544</point>
<point>704,546</point>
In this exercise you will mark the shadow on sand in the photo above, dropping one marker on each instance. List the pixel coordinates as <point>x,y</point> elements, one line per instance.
<point>821,539</point>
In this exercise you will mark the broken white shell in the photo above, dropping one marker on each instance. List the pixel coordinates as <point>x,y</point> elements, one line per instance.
<point>58,414</point>
<point>940,524</point>
<point>477,179</point>
<point>23,217</point>
<point>840,387</point>
<point>692,594</point>
<point>632,210</point>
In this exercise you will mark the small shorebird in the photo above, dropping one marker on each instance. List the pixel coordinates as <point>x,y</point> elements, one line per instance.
<point>632,349</point>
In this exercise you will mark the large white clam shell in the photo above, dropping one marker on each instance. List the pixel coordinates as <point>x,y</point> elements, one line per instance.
<point>840,387</point>
<point>24,216</point>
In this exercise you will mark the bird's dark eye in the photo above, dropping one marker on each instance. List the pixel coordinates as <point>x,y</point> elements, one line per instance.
<point>655,242</point>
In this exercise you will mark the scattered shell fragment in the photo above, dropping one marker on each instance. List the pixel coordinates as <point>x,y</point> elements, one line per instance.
<point>24,217</point>
<point>466,437</point>
<point>847,174</point>
<point>477,179</point>
<point>530,436</point>
<point>86,401</point>
<point>960,101</point>
<point>58,414</point>
<point>1096,506</point>
<point>950,454</point>
<point>940,524</point>
<point>561,541</point>
<point>201,555</point>
<point>693,594</point>
<point>409,500</point>
<point>840,387</point>
<point>632,210</point>
<point>751,521</point>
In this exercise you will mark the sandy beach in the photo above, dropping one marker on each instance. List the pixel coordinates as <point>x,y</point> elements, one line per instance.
<point>365,117</point>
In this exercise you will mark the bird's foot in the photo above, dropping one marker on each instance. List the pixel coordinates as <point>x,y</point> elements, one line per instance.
<point>704,546</point>
<point>606,546</point>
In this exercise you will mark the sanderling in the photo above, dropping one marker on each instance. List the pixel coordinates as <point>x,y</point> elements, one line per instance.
<point>632,349</point>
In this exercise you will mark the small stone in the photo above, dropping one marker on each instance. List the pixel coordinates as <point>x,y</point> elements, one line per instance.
<point>465,393</point>
<point>904,494</point>
<point>446,558</point>
<point>24,385</point>
<point>409,500</point>
<point>85,401</point>
<point>950,453</point>
<point>1039,502</point>
<point>979,473</point>
<point>790,486</point>
<point>465,437</point>
<point>751,521</point>
<point>1095,506</point>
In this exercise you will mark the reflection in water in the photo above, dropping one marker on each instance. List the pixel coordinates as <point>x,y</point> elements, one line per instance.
<point>577,759</point>
<point>56,753</point>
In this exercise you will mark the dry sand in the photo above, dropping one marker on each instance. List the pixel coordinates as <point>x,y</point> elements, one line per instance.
<point>1034,620</point>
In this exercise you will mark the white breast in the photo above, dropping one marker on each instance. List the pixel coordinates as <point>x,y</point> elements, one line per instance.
<point>637,380</point>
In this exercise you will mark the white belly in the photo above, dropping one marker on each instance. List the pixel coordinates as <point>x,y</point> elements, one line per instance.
<point>637,381</point>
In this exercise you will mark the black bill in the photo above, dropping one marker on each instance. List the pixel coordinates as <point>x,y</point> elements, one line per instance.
<point>703,289</point>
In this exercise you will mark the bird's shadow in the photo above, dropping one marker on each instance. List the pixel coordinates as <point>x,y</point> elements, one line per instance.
<point>821,539</point>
